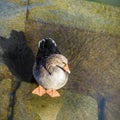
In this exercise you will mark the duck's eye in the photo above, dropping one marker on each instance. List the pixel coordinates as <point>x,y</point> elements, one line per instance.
<point>64,63</point>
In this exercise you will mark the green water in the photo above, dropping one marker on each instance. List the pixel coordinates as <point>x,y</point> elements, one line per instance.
<point>108,2</point>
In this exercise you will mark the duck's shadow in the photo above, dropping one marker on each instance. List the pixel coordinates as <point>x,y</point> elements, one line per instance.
<point>18,56</point>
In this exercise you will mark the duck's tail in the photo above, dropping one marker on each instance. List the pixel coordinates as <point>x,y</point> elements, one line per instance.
<point>46,47</point>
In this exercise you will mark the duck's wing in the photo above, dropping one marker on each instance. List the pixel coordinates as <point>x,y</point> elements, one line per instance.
<point>46,47</point>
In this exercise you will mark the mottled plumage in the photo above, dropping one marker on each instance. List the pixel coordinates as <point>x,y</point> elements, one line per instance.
<point>50,68</point>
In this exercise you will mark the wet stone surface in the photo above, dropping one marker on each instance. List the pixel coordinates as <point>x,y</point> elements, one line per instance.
<point>67,107</point>
<point>87,33</point>
<point>18,98</point>
<point>86,79</point>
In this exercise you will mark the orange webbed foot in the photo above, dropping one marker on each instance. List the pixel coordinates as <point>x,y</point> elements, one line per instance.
<point>39,91</point>
<point>53,93</point>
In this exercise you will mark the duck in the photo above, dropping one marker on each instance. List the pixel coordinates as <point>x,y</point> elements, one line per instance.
<point>50,69</point>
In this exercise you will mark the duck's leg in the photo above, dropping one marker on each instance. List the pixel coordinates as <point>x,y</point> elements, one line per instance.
<point>53,93</point>
<point>39,91</point>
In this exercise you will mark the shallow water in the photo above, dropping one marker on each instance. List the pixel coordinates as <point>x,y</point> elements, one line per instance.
<point>93,59</point>
<point>92,92</point>
<point>108,2</point>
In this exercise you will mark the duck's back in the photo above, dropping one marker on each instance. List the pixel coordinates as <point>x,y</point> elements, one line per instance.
<point>46,47</point>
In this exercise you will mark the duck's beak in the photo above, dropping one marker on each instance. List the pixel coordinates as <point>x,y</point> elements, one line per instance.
<point>66,68</point>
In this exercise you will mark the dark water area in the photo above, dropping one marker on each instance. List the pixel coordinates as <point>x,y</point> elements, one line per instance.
<point>101,107</point>
<point>93,59</point>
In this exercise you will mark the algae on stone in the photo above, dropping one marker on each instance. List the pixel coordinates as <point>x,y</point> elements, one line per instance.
<point>94,58</point>
<point>79,14</point>
<point>6,92</point>
<point>13,17</point>
<point>34,107</point>
<point>77,107</point>
<point>67,107</point>
<point>5,88</point>
<point>4,72</point>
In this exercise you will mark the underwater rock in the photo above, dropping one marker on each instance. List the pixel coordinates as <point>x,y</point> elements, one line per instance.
<point>5,73</point>
<point>112,111</point>
<point>78,14</point>
<point>95,72</point>
<point>88,15</point>
<point>5,89</point>
<point>13,16</point>
<point>77,107</point>
<point>93,57</point>
<point>21,102</point>
<point>70,106</point>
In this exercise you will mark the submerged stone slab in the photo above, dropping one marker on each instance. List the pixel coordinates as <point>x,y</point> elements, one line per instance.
<point>69,106</point>
<point>12,16</point>
<point>4,72</point>
<point>113,106</point>
<point>5,88</point>
<point>93,58</point>
<point>77,107</point>
<point>78,14</point>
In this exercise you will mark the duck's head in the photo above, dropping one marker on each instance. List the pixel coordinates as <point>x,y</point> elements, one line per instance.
<point>58,60</point>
